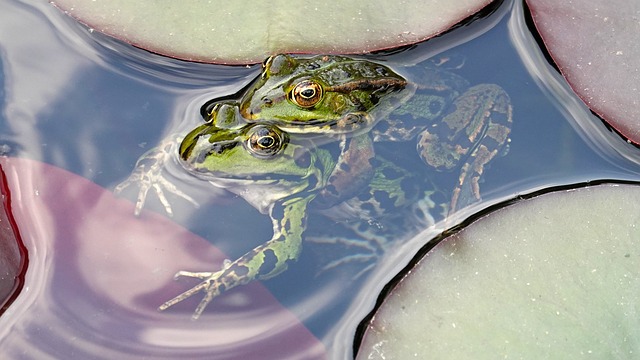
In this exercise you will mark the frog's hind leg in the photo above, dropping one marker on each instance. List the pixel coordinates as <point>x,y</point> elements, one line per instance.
<point>263,262</point>
<point>489,142</point>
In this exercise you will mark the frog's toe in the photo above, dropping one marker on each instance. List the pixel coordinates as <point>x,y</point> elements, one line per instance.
<point>134,179</point>
<point>162,183</point>
<point>169,303</point>
<point>210,293</point>
<point>210,285</point>
<point>118,189</point>
<point>141,199</point>
<point>198,275</point>
<point>163,199</point>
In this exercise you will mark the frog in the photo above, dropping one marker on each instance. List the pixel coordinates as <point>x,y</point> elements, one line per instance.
<point>308,132</point>
<point>456,126</point>
<point>366,85</point>
<point>331,94</point>
<point>281,175</point>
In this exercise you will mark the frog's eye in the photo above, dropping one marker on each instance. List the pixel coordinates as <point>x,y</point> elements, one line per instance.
<point>265,141</point>
<point>306,94</point>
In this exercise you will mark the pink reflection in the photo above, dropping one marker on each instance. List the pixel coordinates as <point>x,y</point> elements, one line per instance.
<point>97,274</point>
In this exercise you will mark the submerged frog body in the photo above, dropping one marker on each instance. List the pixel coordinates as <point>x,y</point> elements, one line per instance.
<point>305,134</point>
<point>280,174</point>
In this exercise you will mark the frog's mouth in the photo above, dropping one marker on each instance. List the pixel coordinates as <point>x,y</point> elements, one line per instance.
<point>347,124</point>
<point>381,85</point>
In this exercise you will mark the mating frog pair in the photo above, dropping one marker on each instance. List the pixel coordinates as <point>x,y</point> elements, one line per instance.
<point>306,134</point>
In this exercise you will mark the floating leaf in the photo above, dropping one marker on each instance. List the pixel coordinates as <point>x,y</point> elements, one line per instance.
<point>97,275</point>
<point>557,276</point>
<point>237,32</point>
<point>595,45</point>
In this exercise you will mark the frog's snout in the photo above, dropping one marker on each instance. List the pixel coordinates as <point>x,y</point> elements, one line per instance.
<point>252,112</point>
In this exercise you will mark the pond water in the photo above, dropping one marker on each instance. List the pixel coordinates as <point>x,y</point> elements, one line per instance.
<point>77,111</point>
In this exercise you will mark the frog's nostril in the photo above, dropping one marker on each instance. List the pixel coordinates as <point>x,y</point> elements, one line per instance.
<point>267,102</point>
<point>254,111</point>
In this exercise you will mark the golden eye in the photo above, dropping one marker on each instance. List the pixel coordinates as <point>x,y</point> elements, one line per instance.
<point>265,141</point>
<point>306,94</point>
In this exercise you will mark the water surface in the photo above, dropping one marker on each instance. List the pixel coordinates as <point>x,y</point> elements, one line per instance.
<point>78,109</point>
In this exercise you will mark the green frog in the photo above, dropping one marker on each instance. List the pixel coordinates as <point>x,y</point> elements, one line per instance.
<point>281,174</point>
<point>323,94</point>
<point>455,126</point>
<point>306,134</point>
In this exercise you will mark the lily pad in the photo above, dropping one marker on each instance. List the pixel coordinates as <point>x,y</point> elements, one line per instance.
<point>12,259</point>
<point>595,45</point>
<point>97,275</point>
<point>238,32</point>
<point>557,276</point>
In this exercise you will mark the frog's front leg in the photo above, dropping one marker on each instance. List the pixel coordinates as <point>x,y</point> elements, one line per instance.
<point>476,131</point>
<point>263,262</point>
<point>148,174</point>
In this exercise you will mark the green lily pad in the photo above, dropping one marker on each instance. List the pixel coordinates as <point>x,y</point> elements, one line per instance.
<point>595,45</point>
<point>238,32</point>
<point>557,276</point>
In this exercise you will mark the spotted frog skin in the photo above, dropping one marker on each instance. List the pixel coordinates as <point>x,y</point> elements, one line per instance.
<point>323,94</point>
<point>455,126</point>
<point>305,134</point>
<point>281,175</point>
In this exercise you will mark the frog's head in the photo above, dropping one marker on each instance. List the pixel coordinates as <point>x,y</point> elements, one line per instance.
<point>319,94</point>
<point>255,152</point>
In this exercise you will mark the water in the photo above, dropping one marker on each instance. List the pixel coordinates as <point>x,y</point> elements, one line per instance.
<point>92,106</point>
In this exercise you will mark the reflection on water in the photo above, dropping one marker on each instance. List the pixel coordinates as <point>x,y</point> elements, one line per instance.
<point>97,274</point>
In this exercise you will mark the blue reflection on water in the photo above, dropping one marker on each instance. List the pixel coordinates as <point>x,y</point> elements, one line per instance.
<point>96,105</point>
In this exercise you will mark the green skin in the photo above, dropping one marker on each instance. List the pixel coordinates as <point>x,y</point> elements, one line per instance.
<point>355,93</point>
<point>455,126</point>
<point>284,177</point>
<point>229,158</point>
<point>274,142</point>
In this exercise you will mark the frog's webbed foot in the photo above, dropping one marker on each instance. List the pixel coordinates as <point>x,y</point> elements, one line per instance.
<point>261,263</point>
<point>247,268</point>
<point>212,284</point>
<point>148,174</point>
